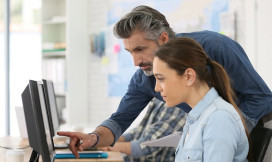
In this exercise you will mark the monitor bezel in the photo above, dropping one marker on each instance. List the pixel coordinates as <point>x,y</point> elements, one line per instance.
<point>37,116</point>
<point>53,127</point>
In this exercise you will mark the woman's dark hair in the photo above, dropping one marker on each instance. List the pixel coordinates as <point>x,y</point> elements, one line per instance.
<point>182,53</point>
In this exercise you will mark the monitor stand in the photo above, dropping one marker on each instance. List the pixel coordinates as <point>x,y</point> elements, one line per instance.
<point>34,156</point>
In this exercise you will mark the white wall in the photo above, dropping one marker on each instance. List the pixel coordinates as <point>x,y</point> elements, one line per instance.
<point>263,39</point>
<point>100,105</point>
<point>254,33</point>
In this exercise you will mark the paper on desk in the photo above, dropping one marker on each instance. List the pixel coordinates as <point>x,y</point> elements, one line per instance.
<point>171,140</point>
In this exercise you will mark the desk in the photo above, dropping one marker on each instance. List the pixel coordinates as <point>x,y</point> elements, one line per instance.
<point>17,142</point>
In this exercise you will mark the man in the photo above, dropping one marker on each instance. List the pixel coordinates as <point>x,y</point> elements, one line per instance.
<point>158,121</point>
<point>143,30</point>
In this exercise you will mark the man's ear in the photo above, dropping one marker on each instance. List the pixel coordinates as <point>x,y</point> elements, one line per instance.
<point>163,38</point>
<point>190,76</point>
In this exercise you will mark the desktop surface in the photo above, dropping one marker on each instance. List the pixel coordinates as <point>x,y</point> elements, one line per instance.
<point>17,142</point>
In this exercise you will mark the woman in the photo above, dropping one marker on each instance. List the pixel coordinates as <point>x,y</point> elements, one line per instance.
<point>214,129</point>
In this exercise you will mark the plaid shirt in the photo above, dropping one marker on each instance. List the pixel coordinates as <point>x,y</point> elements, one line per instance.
<point>158,122</point>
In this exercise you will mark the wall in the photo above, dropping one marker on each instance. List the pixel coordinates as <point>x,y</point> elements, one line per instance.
<point>100,105</point>
<point>254,33</point>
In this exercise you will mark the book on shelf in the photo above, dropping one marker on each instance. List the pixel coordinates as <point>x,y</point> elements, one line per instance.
<point>53,50</point>
<point>54,69</point>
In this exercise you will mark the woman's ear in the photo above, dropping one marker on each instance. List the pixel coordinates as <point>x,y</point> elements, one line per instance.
<point>190,76</point>
<point>163,38</point>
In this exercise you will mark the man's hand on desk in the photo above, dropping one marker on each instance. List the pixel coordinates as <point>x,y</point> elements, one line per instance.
<point>80,141</point>
<point>123,147</point>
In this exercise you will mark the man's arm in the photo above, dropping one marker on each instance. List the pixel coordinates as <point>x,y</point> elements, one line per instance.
<point>105,136</point>
<point>101,137</point>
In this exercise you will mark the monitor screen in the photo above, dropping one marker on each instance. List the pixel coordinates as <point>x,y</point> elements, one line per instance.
<point>51,105</point>
<point>37,121</point>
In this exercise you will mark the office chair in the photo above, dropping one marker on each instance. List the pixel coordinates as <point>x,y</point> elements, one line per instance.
<point>264,119</point>
<point>260,139</point>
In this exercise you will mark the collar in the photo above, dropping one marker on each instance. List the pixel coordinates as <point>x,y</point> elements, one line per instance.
<point>202,105</point>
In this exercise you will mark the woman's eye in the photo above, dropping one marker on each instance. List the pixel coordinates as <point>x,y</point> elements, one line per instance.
<point>160,79</point>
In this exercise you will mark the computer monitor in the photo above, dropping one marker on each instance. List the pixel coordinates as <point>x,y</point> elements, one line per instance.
<point>38,129</point>
<point>52,111</point>
<point>51,105</point>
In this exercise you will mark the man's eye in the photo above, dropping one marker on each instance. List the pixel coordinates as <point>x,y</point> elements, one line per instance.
<point>138,50</point>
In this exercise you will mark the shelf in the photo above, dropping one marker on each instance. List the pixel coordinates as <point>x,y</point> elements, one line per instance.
<point>54,53</point>
<point>55,20</point>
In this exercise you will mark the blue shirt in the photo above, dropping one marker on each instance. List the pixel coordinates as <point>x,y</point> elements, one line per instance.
<point>254,96</point>
<point>213,132</point>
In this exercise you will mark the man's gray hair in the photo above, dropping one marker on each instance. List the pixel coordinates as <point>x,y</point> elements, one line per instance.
<point>144,19</point>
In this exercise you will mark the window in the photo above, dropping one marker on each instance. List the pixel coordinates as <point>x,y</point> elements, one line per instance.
<point>2,70</point>
<point>24,54</point>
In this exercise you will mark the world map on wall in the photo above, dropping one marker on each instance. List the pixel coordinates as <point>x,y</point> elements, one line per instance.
<point>182,15</point>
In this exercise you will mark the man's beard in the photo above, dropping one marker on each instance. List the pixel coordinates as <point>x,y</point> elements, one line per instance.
<point>148,72</point>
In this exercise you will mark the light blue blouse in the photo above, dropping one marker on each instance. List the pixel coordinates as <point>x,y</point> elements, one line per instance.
<point>213,132</point>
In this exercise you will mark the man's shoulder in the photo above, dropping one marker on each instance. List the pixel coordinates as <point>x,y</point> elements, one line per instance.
<point>198,34</point>
<point>203,36</point>
<point>208,39</point>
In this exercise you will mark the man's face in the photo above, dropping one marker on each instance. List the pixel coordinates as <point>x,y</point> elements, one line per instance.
<point>142,51</point>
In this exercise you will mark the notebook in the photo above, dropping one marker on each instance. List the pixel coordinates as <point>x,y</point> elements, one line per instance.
<point>83,154</point>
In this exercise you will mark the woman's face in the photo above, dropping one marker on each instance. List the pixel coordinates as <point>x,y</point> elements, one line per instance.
<point>172,87</point>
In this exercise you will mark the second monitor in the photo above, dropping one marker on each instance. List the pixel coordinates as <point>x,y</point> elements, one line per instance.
<point>52,111</point>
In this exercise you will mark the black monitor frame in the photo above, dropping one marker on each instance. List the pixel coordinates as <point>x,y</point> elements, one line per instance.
<point>36,121</point>
<point>51,105</point>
